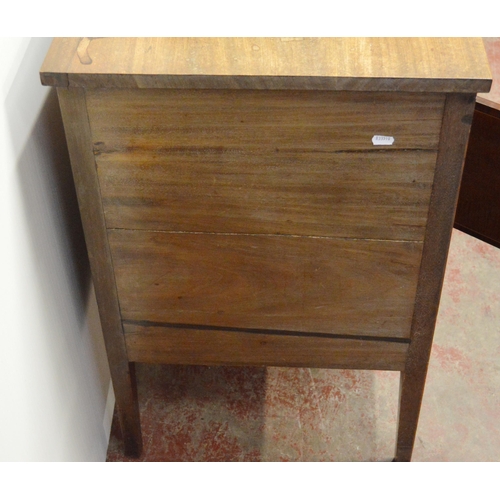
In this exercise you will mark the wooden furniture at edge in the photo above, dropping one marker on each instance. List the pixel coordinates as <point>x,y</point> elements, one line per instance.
<point>236,210</point>
<point>478,209</point>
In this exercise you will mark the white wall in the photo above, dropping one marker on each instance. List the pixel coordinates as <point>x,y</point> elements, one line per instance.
<point>54,377</point>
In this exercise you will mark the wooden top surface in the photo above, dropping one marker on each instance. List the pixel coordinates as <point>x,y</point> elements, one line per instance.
<point>492,99</point>
<point>366,64</point>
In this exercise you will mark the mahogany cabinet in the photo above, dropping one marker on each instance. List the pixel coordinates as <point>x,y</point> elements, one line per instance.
<point>268,201</point>
<point>478,208</point>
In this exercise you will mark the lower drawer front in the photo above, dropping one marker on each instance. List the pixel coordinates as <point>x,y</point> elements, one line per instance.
<point>148,344</point>
<point>298,284</point>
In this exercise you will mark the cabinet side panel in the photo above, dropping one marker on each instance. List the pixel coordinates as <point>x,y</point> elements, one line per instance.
<point>78,136</point>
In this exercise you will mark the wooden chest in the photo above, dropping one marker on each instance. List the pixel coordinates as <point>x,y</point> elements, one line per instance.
<point>265,201</point>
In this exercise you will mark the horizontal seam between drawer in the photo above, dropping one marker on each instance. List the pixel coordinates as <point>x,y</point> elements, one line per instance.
<point>369,150</point>
<point>265,331</point>
<point>343,238</point>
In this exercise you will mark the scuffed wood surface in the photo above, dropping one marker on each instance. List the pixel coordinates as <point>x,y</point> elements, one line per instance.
<point>402,64</point>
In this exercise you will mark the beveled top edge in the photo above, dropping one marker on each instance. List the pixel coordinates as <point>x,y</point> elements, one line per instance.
<point>361,64</point>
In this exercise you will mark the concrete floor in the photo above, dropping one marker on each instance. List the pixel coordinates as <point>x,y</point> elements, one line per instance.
<point>295,414</point>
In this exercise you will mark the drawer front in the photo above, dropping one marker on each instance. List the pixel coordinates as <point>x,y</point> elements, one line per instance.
<point>280,162</point>
<point>299,284</point>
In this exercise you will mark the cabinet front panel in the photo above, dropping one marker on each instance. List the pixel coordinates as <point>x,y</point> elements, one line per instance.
<point>277,162</point>
<point>302,284</point>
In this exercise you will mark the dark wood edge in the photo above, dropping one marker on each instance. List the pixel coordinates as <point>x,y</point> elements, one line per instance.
<point>258,331</point>
<point>54,79</point>
<point>489,107</point>
<point>455,129</point>
<point>78,136</point>
<point>264,82</point>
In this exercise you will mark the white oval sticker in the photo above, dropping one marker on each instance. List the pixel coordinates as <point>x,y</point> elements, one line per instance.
<point>382,140</point>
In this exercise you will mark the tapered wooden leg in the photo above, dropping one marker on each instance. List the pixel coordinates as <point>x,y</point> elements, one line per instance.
<point>128,412</point>
<point>79,139</point>
<point>457,118</point>
<point>411,390</point>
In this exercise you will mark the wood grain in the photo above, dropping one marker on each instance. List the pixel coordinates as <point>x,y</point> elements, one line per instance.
<point>161,143</point>
<point>76,126</point>
<point>252,162</point>
<point>364,195</point>
<point>273,282</point>
<point>156,344</point>
<point>396,64</point>
<point>454,135</point>
<point>208,120</point>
